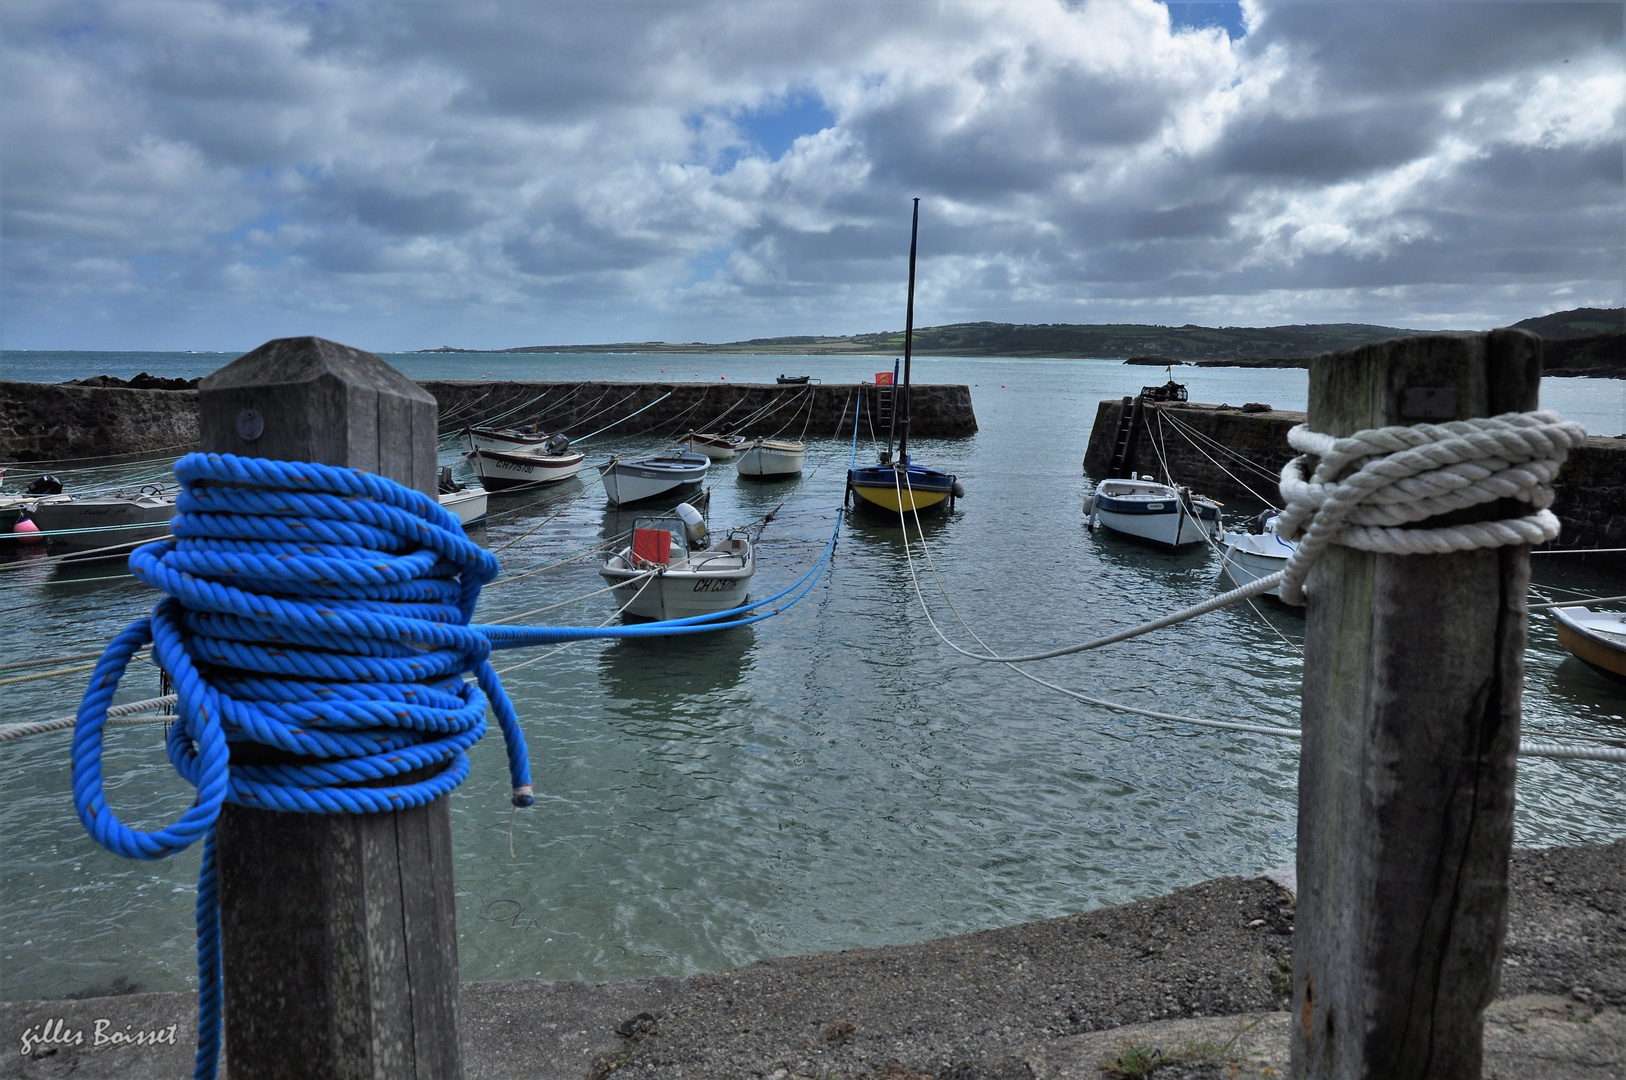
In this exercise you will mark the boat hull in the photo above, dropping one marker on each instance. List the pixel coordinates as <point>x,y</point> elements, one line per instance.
<point>499,471</point>
<point>715,447</point>
<point>86,524</point>
<point>1603,651</point>
<point>649,478</point>
<point>469,504</point>
<point>504,440</point>
<point>1251,556</point>
<point>888,490</point>
<point>765,459</point>
<point>1153,512</point>
<point>702,584</point>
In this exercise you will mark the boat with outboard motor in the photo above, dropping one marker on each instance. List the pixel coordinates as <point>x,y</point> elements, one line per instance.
<point>900,485</point>
<point>465,501</point>
<point>544,463</point>
<point>718,447</point>
<point>1596,638</point>
<point>770,459</point>
<point>528,437</point>
<point>1256,553</point>
<point>637,479</point>
<point>1147,510</point>
<point>674,570</point>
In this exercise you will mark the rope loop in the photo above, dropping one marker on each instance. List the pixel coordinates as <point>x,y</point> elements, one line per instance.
<point>1367,488</point>
<point>322,612</point>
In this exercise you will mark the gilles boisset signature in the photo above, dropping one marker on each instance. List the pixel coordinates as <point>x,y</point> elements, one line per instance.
<point>56,1033</point>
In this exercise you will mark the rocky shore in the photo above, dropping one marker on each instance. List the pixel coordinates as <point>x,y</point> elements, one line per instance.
<point>1196,980</point>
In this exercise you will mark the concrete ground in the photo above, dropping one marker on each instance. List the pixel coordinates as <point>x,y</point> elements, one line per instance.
<point>1192,982</point>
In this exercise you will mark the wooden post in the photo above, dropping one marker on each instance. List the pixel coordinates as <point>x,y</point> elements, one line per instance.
<point>1413,670</point>
<point>338,931</point>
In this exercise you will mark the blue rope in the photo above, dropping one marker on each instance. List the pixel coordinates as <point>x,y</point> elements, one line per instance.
<point>324,612</point>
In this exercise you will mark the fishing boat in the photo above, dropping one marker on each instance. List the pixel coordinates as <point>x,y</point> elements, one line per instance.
<point>795,380</point>
<point>900,485</point>
<point>118,521</point>
<point>521,438</point>
<point>502,469</point>
<point>637,479</point>
<point>715,446</point>
<point>673,569</point>
<point>1596,638</point>
<point>1143,508</point>
<point>1255,553</point>
<point>770,459</point>
<point>468,503</point>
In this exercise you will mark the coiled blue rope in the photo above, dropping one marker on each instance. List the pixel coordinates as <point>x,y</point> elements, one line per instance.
<point>318,610</point>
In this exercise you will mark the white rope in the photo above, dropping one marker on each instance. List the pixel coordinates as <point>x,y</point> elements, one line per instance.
<point>1406,474</point>
<point>117,715</point>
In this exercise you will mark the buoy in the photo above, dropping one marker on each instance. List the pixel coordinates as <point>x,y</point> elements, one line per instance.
<point>27,532</point>
<point>957,489</point>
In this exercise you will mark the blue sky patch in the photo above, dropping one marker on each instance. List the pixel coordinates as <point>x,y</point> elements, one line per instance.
<point>778,124</point>
<point>1202,14</point>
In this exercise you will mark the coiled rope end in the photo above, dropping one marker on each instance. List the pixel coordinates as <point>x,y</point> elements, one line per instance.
<point>522,796</point>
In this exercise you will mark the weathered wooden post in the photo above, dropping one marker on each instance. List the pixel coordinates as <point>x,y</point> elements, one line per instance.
<point>338,931</point>
<point>1413,670</point>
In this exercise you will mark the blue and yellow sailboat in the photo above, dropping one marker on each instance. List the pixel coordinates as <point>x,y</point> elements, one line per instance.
<point>899,485</point>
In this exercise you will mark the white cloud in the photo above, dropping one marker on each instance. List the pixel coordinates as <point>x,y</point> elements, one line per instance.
<point>202,175</point>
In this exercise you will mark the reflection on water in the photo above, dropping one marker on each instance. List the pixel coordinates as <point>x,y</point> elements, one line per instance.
<point>831,778</point>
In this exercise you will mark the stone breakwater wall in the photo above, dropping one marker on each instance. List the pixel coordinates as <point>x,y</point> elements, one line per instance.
<point>51,422</point>
<point>576,408</point>
<point>1196,440</point>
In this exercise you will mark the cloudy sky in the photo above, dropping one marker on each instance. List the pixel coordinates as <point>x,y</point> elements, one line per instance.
<point>208,175</point>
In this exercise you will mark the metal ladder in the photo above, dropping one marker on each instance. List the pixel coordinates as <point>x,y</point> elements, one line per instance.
<point>883,408</point>
<point>1123,444</point>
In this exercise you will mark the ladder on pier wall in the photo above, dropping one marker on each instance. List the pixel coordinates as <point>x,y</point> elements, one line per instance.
<point>883,407</point>
<point>1123,444</point>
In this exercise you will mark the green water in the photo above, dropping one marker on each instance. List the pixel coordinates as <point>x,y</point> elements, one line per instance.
<point>832,778</point>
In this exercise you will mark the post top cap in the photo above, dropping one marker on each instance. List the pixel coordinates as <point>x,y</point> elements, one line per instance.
<point>284,361</point>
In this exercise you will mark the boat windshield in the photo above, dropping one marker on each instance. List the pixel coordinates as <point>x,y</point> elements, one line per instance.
<point>668,523</point>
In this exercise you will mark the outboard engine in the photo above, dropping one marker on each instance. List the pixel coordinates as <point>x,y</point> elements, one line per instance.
<point>694,526</point>
<point>556,445</point>
<point>1260,522</point>
<point>44,485</point>
<point>447,484</point>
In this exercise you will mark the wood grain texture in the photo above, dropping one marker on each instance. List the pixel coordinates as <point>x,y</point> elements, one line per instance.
<point>339,930</point>
<point>1413,669</point>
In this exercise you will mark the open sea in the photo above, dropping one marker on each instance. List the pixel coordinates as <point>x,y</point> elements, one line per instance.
<point>832,778</point>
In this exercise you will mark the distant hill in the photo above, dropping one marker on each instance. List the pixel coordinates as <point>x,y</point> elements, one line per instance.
<point>1269,346</point>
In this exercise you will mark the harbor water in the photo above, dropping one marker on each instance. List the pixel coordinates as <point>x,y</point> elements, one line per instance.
<point>832,778</point>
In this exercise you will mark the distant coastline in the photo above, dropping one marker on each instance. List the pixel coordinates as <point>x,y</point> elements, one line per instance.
<point>1582,341</point>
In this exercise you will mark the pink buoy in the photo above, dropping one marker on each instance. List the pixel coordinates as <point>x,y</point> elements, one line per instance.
<point>27,532</point>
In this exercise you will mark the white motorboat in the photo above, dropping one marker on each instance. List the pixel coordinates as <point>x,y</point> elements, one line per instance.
<point>1596,638</point>
<point>638,479</point>
<point>499,469</point>
<point>766,459</point>
<point>670,571</point>
<point>716,447</point>
<point>116,521</point>
<point>465,501</point>
<point>1257,553</point>
<point>1143,508</point>
<point>525,438</point>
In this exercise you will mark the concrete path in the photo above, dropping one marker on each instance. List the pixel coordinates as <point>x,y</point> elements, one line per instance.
<point>1181,975</point>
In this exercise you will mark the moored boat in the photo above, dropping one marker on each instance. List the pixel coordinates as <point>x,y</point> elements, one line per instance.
<point>1158,513</point>
<point>671,570</point>
<point>1596,638</point>
<point>767,459</point>
<point>716,447</point>
<point>521,438</point>
<point>499,470</point>
<point>898,486</point>
<point>465,501</point>
<point>1256,553</point>
<point>118,521</point>
<point>637,479</point>
<point>795,380</point>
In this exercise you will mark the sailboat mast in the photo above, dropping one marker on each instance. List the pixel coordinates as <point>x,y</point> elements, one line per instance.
<point>908,339</point>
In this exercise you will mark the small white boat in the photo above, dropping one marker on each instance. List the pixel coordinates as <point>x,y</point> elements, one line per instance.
<point>500,469</point>
<point>1158,513</point>
<point>671,572</point>
<point>1596,638</point>
<point>114,521</point>
<point>1257,553</point>
<point>466,502</point>
<point>638,479</point>
<point>716,447</point>
<point>768,458</point>
<point>526,438</point>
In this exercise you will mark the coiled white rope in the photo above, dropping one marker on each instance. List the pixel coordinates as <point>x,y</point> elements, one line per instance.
<point>1406,474</point>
